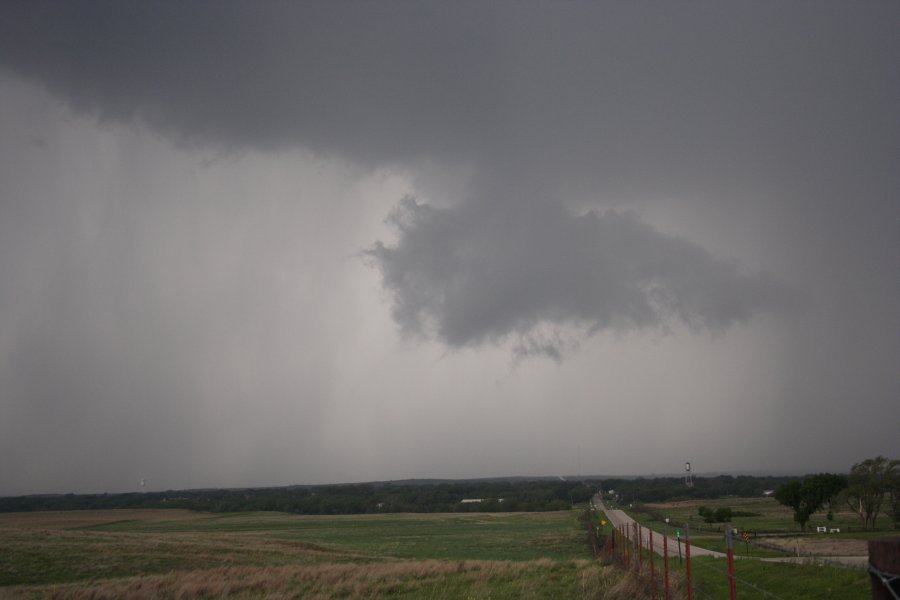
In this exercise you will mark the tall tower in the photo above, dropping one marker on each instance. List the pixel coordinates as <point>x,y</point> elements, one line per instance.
<point>688,479</point>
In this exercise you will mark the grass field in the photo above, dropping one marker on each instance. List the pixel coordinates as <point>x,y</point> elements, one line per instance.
<point>181,554</point>
<point>773,525</point>
<point>789,581</point>
<point>772,516</point>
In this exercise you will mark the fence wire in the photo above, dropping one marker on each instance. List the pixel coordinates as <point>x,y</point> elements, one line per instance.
<point>704,565</point>
<point>700,590</point>
<point>736,578</point>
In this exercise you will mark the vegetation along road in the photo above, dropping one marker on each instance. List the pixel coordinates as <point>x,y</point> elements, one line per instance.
<point>620,517</point>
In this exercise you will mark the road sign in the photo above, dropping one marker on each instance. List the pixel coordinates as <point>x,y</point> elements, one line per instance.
<point>678,533</point>
<point>746,536</point>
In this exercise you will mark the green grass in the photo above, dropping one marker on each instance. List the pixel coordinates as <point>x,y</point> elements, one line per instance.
<point>741,549</point>
<point>41,553</point>
<point>797,582</point>
<point>473,536</point>
<point>772,516</point>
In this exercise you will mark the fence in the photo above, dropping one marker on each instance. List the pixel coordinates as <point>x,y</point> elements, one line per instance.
<point>634,548</point>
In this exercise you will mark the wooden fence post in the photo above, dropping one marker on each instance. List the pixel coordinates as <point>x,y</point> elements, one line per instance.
<point>884,567</point>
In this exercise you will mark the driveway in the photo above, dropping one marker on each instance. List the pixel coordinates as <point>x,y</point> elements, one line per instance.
<point>618,517</point>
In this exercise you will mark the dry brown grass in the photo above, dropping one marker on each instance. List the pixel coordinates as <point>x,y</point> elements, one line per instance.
<point>687,504</point>
<point>327,581</point>
<point>222,547</point>
<point>629,587</point>
<point>825,546</point>
<point>63,555</point>
<point>88,518</point>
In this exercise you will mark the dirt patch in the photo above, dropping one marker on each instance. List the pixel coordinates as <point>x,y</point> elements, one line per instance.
<point>724,501</point>
<point>88,518</point>
<point>823,546</point>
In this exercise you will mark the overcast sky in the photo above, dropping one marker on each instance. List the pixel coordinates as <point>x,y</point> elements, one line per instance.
<point>248,244</point>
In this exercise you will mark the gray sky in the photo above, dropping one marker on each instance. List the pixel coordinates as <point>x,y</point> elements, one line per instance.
<point>265,244</point>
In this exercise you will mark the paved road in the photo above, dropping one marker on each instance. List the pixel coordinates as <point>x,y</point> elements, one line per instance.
<point>618,517</point>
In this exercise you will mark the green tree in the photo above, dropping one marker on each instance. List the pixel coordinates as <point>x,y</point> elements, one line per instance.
<point>894,490</point>
<point>808,496</point>
<point>708,514</point>
<point>723,515</point>
<point>870,481</point>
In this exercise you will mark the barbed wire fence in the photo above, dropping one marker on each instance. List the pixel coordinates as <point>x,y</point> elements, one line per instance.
<point>627,545</point>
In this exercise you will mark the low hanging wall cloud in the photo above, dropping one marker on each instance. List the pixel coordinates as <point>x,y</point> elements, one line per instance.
<point>485,272</point>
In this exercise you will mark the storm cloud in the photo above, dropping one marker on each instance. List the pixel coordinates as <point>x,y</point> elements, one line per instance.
<point>607,101</point>
<point>471,87</point>
<point>690,207</point>
<point>486,271</point>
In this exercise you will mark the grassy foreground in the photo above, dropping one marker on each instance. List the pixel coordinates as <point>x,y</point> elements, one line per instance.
<point>182,554</point>
<point>794,581</point>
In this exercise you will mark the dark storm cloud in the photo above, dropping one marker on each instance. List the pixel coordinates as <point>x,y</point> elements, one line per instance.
<point>375,82</point>
<point>595,95</point>
<point>483,271</point>
<point>766,132</point>
<point>601,103</point>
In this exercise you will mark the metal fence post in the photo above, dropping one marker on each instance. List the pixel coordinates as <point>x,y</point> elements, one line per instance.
<point>634,546</point>
<point>640,536</point>
<point>687,558</point>
<point>666,561</point>
<point>652,577</point>
<point>732,584</point>
<point>678,535</point>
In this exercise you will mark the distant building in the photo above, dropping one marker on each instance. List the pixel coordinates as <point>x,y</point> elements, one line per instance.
<point>471,500</point>
<point>768,492</point>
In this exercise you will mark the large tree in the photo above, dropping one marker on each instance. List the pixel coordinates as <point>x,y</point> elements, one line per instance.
<point>894,491</point>
<point>808,496</point>
<point>870,480</point>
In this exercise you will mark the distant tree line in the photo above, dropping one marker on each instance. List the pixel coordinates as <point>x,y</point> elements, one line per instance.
<point>667,489</point>
<point>515,495</point>
<point>491,496</point>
